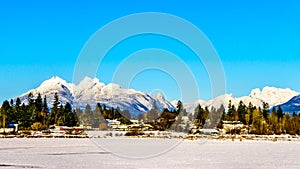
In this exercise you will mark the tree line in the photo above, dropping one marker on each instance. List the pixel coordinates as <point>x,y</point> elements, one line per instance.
<point>96,118</point>
<point>35,114</point>
<point>165,119</point>
<point>258,120</point>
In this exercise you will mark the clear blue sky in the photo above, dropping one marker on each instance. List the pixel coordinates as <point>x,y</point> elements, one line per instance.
<point>258,42</point>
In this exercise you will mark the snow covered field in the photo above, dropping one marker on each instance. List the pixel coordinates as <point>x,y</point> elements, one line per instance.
<point>88,153</point>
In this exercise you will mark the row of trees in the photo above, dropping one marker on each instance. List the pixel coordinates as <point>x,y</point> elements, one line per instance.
<point>35,113</point>
<point>165,119</point>
<point>258,120</point>
<point>95,118</point>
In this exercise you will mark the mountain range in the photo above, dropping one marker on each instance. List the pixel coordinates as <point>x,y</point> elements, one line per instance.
<point>92,91</point>
<point>292,105</point>
<point>271,95</point>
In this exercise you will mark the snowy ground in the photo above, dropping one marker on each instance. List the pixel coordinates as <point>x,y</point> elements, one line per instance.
<point>89,153</point>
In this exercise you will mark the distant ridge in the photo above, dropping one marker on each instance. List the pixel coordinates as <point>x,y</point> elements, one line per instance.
<point>271,95</point>
<point>292,105</point>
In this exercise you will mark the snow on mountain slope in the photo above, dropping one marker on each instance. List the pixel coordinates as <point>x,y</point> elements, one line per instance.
<point>216,102</point>
<point>112,95</point>
<point>292,105</point>
<point>92,91</point>
<point>49,88</point>
<point>88,89</point>
<point>163,102</point>
<point>271,95</point>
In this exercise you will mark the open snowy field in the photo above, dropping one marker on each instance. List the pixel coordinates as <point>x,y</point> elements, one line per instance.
<point>89,153</point>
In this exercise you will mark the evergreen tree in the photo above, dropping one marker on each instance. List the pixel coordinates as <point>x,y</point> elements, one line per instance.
<point>60,117</point>
<point>279,112</point>
<point>200,115</point>
<point>67,117</point>
<point>241,112</point>
<point>112,113</point>
<point>45,112</point>
<point>98,117</point>
<point>179,112</point>
<point>73,120</point>
<point>87,116</point>
<point>249,114</point>
<point>18,111</point>
<point>39,103</point>
<point>232,114</point>
<point>37,109</point>
<point>78,113</point>
<point>266,110</point>
<point>153,113</point>
<point>25,118</point>
<point>18,102</point>
<point>179,107</point>
<point>31,109</point>
<point>122,118</point>
<point>54,111</point>
<point>118,114</point>
<point>11,116</point>
<point>215,117</point>
<point>30,100</point>
<point>11,103</point>
<point>5,109</point>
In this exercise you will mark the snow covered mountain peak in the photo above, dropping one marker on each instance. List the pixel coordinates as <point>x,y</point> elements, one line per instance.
<point>255,92</point>
<point>53,82</point>
<point>273,95</point>
<point>88,80</point>
<point>88,85</point>
<point>160,96</point>
<point>268,90</point>
<point>50,87</point>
